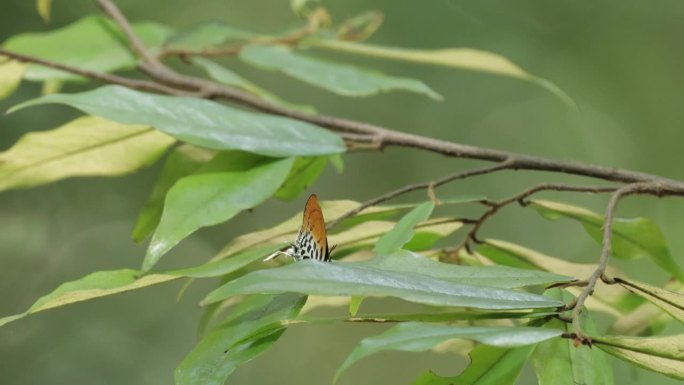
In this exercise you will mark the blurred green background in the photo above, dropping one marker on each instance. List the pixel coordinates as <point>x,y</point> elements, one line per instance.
<point>621,61</point>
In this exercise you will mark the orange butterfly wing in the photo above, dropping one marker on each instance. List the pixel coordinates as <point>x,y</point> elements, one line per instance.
<point>312,241</point>
<point>314,223</point>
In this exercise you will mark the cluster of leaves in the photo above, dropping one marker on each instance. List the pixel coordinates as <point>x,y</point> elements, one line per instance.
<point>221,160</point>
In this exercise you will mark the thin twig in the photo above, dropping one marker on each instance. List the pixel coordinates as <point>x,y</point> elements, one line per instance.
<point>420,186</point>
<point>143,85</point>
<point>494,207</point>
<point>607,248</point>
<point>136,43</point>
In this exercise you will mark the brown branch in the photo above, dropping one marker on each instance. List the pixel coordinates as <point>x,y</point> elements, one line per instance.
<point>143,85</point>
<point>420,186</point>
<point>656,189</point>
<point>136,44</point>
<point>494,207</point>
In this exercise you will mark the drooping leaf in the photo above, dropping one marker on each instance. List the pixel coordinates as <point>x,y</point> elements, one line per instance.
<point>304,172</point>
<point>205,36</point>
<point>104,283</point>
<point>632,237</point>
<point>346,279</point>
<point>354,304</point>
<point>559,362</point>
<point>418,337</point>
<point>182,161</point>
<point>248,331</point>
<point>202,122</point>
<point>86,146</point>
<point>342,79</point>
<point>670,301</point>
<point>208,199</point>
<point>224,75</point>
<point>11,72</point>
<point>43,7</point>
<point>95,285</point>
<point>93,43</point>
<point>394,239</point>
<point>491,276</point>
<point>489,365</point>
<point>607,298</point>
<point>228,265</point>
<point>360,27</point>
<point>647,319</point>
<point>461,58</point>
<point>659,354</point>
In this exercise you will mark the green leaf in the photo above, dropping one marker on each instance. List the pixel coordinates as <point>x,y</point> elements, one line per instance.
<point>247,332</point>
<point>304,172</point>
<point>287,230</point>
<point>659,354</point>
<point>337,162</point>
<point>83,147</point>
<point>347,279</point>
<point>182,161</point>
<point>205,36</point>
<point>11,72</point>
<point>202,122</point>
<point>95,285</point>
<point>608,298</point>
<point>342,79</point>
<point>632,237</point>
<point>461,58</point>
<point>354,304</point>
<point>93,43</point>
<point>43,7</point>
<point>418,337</point>
<point>224,75</point>
<point>208,199</point>
<point>670,301</point>
<point>360,27</point>
<point>228,265</point>
<point>491,276</point>
<point>489,365</point>
<point>403,231</point>
<point>559,362</point>
<point>301,7</point>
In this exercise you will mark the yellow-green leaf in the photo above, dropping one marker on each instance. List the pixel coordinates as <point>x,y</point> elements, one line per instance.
<point>43,7</point>
<point>11,72</point>
<point>670,301</point>
<point>659,354</point>
<point>462,58</point>
<point>86,146</point>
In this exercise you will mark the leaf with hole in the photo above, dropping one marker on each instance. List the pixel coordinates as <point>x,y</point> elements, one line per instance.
<point>489,365</point>
<point>342,79</point>
<point>418,337</point>
<point>202,122</point>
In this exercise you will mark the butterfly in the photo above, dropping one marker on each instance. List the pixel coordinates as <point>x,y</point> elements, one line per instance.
<point>312,240</point>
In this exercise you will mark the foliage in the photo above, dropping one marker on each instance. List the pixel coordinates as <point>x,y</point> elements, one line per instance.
<point>221,160</point>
